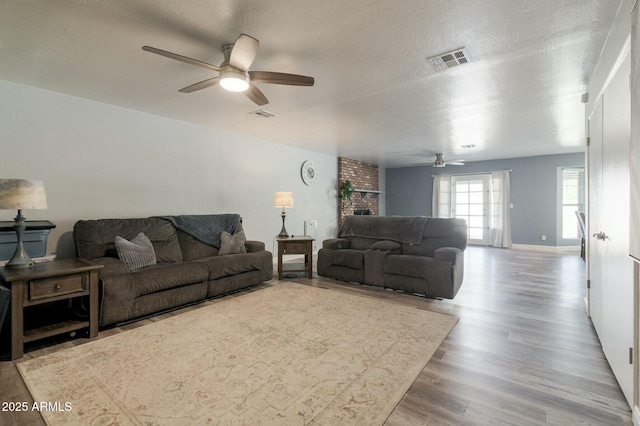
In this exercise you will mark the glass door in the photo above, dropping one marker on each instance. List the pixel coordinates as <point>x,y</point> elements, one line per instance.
<point>471,203</point>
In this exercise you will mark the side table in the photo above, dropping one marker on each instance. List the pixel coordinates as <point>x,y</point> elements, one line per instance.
<point>295,245</point>
<point>49,282</point>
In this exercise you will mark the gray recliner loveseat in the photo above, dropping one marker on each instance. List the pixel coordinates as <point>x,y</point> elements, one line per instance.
<point>418,255</point>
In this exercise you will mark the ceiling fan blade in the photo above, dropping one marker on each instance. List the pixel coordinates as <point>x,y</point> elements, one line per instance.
<point>256,95</point>
<point>181,58</point>
<point>281,78</point>
<point>244,52</point>
<point>201,85</point>
<point>455,163</point>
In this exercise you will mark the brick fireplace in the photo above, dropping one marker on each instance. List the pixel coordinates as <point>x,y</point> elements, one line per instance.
<point>364,178</point>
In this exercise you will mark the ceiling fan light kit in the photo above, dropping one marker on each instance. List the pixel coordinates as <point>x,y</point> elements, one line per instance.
<point>234,74</point>
<point>234,81</point>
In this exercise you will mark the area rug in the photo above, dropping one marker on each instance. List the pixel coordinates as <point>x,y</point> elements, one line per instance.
<point>287,354</point>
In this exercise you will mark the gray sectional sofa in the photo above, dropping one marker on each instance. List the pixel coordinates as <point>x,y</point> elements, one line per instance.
<point>414,254</point>
<point>188,270</point>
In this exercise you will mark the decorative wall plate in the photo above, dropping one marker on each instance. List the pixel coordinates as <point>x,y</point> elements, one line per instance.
<point>309,172</point>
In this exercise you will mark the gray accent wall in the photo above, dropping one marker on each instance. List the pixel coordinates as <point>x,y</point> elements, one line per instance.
<point>103,161</point>
<point>534,192</point>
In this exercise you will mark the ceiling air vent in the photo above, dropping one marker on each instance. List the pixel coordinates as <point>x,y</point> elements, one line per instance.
<point>450,59</point>
<point>262,113</point>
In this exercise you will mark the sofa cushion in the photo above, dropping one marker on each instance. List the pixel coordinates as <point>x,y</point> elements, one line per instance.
<point>231,264</point>
<point>403,229</point>
<point>422,267</point>
<point>192,248</point>
<point>439,232</point>
<point>232,244</point>
<point>136,253</point>
<point>350,258</point>
<point>164,276</point>
<point>206,227</point>
<point>336,243</point>
<point>96,238</point>
<point>357,243</point>
<point>412,266</point>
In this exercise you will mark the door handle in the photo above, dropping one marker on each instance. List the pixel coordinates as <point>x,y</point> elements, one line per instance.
<point>601,236</point>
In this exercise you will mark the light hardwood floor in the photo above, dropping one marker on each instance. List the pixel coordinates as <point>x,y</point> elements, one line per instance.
<point>523,353</point>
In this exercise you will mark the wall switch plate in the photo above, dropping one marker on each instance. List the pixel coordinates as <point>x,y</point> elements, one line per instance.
<point>544,238</point>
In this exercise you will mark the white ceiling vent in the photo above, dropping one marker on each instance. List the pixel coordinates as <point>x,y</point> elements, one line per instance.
<point>450,59</point>
<point>262,113</point>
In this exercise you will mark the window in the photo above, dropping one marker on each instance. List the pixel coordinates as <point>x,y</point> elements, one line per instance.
<point>572,201</point>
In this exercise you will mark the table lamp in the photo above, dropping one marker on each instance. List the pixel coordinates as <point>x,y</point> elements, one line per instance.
<point>283,199</point>
<point>21,194</point>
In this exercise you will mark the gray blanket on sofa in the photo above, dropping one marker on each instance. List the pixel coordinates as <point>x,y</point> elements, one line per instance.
<point>206,227</point>
<point>401,229</point>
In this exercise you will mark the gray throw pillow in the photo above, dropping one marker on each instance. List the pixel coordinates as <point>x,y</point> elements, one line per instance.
<point>136,253</point>
<point>232,244</point>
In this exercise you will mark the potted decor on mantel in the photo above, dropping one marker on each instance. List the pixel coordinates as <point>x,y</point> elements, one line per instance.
<point>346,190</point>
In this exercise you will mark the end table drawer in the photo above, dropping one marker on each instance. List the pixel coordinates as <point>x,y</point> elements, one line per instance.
<point>56,286</point>
<point>295,248</point>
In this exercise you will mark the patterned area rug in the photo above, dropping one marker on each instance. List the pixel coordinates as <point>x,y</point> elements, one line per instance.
<point>288,354</point>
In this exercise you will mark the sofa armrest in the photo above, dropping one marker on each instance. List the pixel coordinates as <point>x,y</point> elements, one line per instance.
<point>452,255</point>
<point>455,257</point>
<point>110,266</point>
<point>254,246</point>
<point>385,245</point>
<point>336,243</point>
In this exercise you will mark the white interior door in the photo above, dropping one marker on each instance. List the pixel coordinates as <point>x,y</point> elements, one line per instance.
<point>471,203</point>
<point>610,268</point>
<point>595,251</point>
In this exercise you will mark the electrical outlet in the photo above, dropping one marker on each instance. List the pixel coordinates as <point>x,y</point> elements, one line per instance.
<point>544,238</point>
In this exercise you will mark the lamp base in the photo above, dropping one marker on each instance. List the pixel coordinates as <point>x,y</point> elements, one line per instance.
<point>283,232</point>
<point>20,259</point>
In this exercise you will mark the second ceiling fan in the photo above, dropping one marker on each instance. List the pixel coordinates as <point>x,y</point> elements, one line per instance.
<point>440,161</point>
<point>234,73</point>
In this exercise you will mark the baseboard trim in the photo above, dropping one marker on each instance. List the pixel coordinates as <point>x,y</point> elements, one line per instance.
<point>586,308</point>
<point>636,416</point>
<point>548,249</point>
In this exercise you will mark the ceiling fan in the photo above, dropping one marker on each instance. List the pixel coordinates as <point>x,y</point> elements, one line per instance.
<point>234,74</point>
<point>440,162</point>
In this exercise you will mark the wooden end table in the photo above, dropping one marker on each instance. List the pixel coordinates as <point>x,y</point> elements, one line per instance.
<point>49,282</point>
<point>295,245</point>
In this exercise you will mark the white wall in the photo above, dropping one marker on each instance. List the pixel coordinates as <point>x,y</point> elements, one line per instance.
<point>102,161</point>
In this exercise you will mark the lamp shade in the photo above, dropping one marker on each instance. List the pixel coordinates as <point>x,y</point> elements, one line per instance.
<point>22,194</point>
<point>283,199</point>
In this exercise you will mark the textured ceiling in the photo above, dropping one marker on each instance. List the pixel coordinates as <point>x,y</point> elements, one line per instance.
<point>376,98</point>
